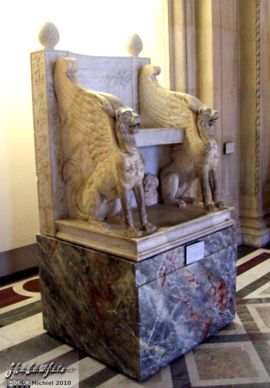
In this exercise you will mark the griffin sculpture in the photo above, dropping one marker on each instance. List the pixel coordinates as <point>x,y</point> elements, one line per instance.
<point>198,155</point>
<point>102,162</point>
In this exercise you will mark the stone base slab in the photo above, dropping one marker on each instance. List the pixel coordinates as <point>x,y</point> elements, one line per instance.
<point>137,316</point>
<point>175,226</point>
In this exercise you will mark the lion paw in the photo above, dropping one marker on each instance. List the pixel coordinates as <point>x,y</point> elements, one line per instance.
<point>132,232</point>
<point>149,228</point>
<point>209,207</point>
<point>181,203</point>
<point>220,205</point>
<point>99,225</point>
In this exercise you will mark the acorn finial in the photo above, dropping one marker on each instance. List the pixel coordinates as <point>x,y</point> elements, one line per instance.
<point>48,36</point>
<point>134,45</point>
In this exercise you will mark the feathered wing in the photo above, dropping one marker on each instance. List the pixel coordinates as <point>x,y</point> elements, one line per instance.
<point>160,107</point>
<point>87,129</point>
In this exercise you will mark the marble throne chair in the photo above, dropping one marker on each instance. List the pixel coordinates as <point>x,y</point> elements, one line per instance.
<point>134,302</point>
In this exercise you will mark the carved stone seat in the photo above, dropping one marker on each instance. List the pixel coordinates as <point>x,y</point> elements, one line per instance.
<point>129,302</point>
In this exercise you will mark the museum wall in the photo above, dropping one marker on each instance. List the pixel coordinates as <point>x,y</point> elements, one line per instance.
<point>96,27</point>
<point>220,53</point>
<point>254,100</point>
<point>217,50</point>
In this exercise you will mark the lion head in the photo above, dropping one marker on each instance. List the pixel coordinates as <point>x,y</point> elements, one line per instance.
<point>207,117</point>
<point>128,120</point>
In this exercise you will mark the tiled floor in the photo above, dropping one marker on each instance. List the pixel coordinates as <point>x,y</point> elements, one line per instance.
<point>238,356</point>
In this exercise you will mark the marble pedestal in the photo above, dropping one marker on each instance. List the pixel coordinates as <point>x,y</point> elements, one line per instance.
<point>137,316</point>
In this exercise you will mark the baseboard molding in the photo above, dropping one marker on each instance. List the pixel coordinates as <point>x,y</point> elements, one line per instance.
<point>18,260</point>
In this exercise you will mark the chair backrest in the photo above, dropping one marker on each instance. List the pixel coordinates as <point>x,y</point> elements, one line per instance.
<point>115,75</point>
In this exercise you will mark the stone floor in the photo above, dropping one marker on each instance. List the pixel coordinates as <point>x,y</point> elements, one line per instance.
<point>239,356</point>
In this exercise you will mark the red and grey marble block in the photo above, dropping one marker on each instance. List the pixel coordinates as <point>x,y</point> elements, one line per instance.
<point>137,316</point>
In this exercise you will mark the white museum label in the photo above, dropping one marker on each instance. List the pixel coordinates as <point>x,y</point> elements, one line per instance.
<point>194,252</point>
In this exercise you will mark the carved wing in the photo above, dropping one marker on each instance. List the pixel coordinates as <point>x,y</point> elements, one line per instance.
<point>87,131</point>
<point>160,107</point>
<point>86,120</point>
